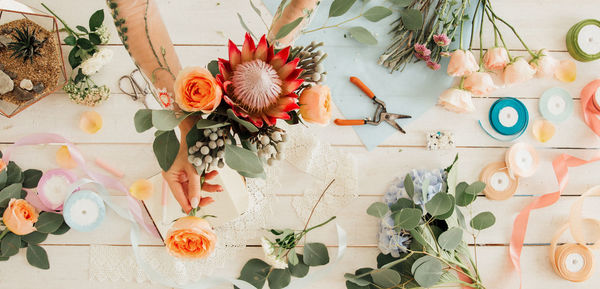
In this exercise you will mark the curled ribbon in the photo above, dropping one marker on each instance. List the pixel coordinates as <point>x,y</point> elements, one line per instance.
<point>590,98</point>
<point>561,167</point>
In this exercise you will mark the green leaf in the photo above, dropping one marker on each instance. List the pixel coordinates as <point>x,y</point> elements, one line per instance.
<point>84,43</point>
<point>11,192</point>
<point>315,254</point>
<point>95,38</point>
<point>37,257</point>
<point>242,160</point>
<point>34,237</point>
<point>362,35</point>
<point>354,279</point>
<point>166,147</point>
<point>483,221</point>
<point>412,19</point>
<point>10,244</point>
<point>74,60</point>
<point>213,67</point>
<point>248,125</point>
<point>401,3</point>
<point>255,9</point>
<point>70,40</point>
<point>163,119</point>
<point>408,218</point>
<point>427,271</point>
<point>293,257</point>
<point>450,239</point>
<point>378,210</point>
<point>401,204</point>
<point>96,20</point>
<point>451,180</point>
<point>409,186</point>
<point>299,270</point>
<point>14,173</point>
<point>386,278</point>
<point>440,204</point>
<point>243,23</point>
<point>287,28</point>
<point>82,29</point>
<point>475,188</point>
<point>62,229</point>
<point>279,278</point>
<point>3,179</point>
<point>340,7</point>
<point>463,198</point>
<point>377,13</point>
<point>48,222</point>
<point>32,178</point>
<point>207,123</point>
<point>143,120</point>
<point>255,272</point>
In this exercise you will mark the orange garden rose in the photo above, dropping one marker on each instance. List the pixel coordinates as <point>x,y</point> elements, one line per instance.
<point>197,90</point>
<point>191,237</point>
<point>315,104</point>
<point>19,217</point>
<point>2,165</point>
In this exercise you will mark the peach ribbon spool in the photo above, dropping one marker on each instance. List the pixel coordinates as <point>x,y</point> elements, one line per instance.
<point>521,160</point>
<point>499,185</point>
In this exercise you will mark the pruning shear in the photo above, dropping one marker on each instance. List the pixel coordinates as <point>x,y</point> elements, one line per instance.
<point>380,115</point>
<point>138,92</point>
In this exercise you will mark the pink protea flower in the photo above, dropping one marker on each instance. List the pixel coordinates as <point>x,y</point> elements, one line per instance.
<point>422,57</point>
<point>441,40</point>
<point>258,84</point>
<point>433,65</point>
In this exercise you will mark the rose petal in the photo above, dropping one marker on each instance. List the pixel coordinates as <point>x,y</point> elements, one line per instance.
<point>566,71</point>
<point>141,189</point>
<point>90,122</point>
<point>543,130</point>
<point>63,158</point>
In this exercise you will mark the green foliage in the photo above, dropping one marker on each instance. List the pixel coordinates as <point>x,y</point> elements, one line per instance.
<point>408,218</point>
<point>299,270</point>
<point>37,257</point>
<point>26,45</point>
<point>315,254</point>
<point>483,221</point>
<point>255,272</point>
<point>340,7</point>
<point>386,278</point>
<point>440,204</point>
<point>12,191</point>
<point>48,222</point>
<point>207,123</point>
<point>34,237</point>
<point>96,20</point>
<point>10,244</point>
<point>166,147</point>
<point>427,271</point>
<point>409,186</point>
<point>243,161</point>
<point>401,3</point>
<point>412,19</point>
<point>143,120</point>
<point>246,124</point>
<point>165,120</point>
<point>377,13</point>
<point>279,278</point>
<point>362,35</point>
<point>213,67</point>
<point>287,28</point>
<point>378,210</point>
<point>450,239</point>
<point>31,178</point>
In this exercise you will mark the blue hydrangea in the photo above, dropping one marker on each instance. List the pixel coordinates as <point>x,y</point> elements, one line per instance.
<point>391,241</point>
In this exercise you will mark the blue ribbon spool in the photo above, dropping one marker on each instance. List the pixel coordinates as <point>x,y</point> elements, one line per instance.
<point>556,104</point>
<point>508,116</point>
<point>84,211</point>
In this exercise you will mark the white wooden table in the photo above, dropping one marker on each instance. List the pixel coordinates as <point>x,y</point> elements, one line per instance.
<point>200,30</point>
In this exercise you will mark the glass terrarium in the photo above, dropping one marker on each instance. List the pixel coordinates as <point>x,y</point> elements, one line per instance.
<point>31,62</point>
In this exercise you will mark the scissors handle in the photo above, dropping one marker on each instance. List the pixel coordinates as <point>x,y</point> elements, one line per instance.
<point>362,86</point>
<point>349,121</point>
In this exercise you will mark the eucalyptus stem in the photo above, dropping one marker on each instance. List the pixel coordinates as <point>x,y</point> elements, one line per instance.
<point>333,25</point>
<point>61,21</point>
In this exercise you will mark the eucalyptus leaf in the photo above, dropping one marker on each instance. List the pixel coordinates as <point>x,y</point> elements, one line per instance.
<point>213,67</point>
<point>340,7</point>
<point>248,125</point>
<point>48,222</point>
<point>386,278</point>
<point>377,13</point>
<point>315,254</point>
<point>483,221</point>
<point>207,123</point>
<point>96,20</point>
<point>463,198</point>
<point>354,279</point>
<point>10,192</point>
<point>62,229</point>
<point>243,23</point>
<point>37,257</point>
<point>451,179</point>
<point>378,210</point>
<point>166,147</point>
<point>242,160</point>
<point>450,212</point>
<point>255,272</point>
<point>427,271</point>
<point>412,19</point>
<point>362,35</point>
<point>407,218</point>
<point>299,270</point>
<point>293,257</point>
<point>440,204</point>
<point>287,28</point>
<point>401,204</point>
<point>31,178</point>
<point>450,239</point>
<point>256,10</point>
<point>409,186</point>
<point>279,278</point>
<point>166,120</point>
<point>10,244</point>
<point>475,188</point>
<point>34,237</point>
<point>3,179</point>
<point>14,173</point>
<point>402,3</point>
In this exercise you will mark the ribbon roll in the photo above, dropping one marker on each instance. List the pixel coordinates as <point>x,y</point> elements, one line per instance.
<point>590,104</point>
<point>499,184</point>
<point>84,211</point>
<point>573,262</point>
<point>53,188</point>
<point>509,117</point>
<point>583,40</point>
<point>522,160</point>
<point>556,104</point>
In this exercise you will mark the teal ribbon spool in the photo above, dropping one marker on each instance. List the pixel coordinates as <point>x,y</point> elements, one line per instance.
<point>556,104</point>
<point>84,211</point>
<point>508,116</point>
<point>583,40</point>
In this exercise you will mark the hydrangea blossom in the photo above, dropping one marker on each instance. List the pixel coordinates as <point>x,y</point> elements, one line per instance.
<point>391,241</point>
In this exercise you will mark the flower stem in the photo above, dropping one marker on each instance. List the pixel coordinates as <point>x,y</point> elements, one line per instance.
<point>317,203</point>
<point>473,24</point>
<point>4,233</point>
<point>333,25</point>
<point>481,35</point>
<point>511,28</point>
<point>493,21</point>
<point>61,21</point>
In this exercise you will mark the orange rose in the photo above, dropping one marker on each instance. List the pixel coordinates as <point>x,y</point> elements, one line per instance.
<point>2,165</point>
<point>197,90</point>
<point>191,237</point>
<point>19,217</point>
<point>315,104</point>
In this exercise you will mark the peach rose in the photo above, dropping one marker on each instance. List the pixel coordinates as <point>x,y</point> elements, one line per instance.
<point>197,90</point>
<point>2,165</point>
<point>190,237</point>
<point>479,83</point>
<point>518,71</point>
<point>495,58</point>
<point>19,217</point>
<point>315,104</point>
<point>545,65</point>
<point>456,100</point>
<point>462,63</point>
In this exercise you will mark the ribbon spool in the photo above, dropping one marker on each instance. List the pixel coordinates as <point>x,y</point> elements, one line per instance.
<point>522,160</point>
<point>499,185</point>
<point>583,40</point>
<point>53,188</point>
<point>508,116</point>
<point>556,104</point>
<point>84,211</point>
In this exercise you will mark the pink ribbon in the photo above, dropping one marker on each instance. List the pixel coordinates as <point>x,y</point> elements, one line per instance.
<point>107,181</point>
<point>561,167</point>
<point>589,107</point>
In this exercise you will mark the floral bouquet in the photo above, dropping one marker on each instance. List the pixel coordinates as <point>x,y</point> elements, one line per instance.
<point>421,233</point>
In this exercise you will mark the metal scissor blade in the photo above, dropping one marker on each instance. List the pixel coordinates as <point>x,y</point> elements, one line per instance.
<point>395,125</point>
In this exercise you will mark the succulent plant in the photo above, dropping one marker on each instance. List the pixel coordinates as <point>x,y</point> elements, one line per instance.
<point>26,45</point>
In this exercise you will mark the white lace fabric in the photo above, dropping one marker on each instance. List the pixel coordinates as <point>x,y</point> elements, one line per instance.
<point>303,151</point>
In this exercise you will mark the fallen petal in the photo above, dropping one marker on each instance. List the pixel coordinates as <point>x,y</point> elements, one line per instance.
<point>90,122</point>
<point>543,130</point>
<point>141,189</point>
<point>64,159</point>
<point>566,71</point>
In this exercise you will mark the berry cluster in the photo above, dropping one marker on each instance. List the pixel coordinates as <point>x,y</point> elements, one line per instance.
<point>270,144</point>
<point>207,153</point>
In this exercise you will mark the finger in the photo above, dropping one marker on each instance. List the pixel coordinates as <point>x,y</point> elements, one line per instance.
<point>211,175</point>
<point>193,186</point>
<point>178,193</point>
<point>211,188</point>
<point>206,201</point>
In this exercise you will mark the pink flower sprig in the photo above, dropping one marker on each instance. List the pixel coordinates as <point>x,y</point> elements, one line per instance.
<point>441,40</point>
<point>422,52</point>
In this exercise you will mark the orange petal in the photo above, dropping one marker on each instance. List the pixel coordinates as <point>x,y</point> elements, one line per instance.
<point>280,58</point>
<point>90,122</point>
<point>262,50</point>
<point>248,48</point>
<point>566,71</point>
<point>141,189</point>
<point>63,158</point>
<point>543,130</point>
<point>235,56</point>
